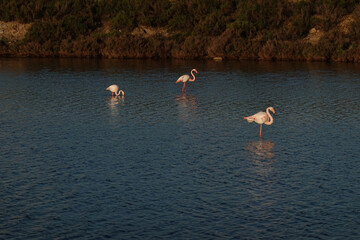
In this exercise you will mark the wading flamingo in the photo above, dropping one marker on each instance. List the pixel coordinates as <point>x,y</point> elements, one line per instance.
<point>185,78</point>
<point>115,89</point>
<point>261,118</point>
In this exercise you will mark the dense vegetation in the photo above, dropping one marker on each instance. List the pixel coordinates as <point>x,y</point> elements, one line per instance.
<point>246,29</point>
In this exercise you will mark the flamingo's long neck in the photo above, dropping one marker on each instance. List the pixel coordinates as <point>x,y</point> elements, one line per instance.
<point>271,120</point>
<point>120,92</point>
<point>192,74</point>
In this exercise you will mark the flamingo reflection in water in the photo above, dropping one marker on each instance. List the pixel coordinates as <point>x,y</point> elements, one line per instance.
<point>187,105</point>
<point>262,156</point>
<point>114,100</point>
<point>114,103</point>
<point>261,149</point>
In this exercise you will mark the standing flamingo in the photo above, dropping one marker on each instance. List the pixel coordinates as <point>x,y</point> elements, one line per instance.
<point>261,118</point>
<point>185,78</point>
<point>115,89</point>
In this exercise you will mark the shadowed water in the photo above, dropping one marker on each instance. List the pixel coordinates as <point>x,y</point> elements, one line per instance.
<point>76,163</point>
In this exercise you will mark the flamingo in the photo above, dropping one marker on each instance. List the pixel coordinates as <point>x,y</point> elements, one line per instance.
<point>185,78</point>
<point>115,89</point>
<point>262,117</point>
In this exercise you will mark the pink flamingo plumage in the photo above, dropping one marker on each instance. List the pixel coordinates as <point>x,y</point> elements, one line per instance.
<point>185,78</point>
<point>114,89</point>
<point>262,117</point>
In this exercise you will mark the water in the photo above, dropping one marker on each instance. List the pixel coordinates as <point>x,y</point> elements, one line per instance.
<point>157,164</point>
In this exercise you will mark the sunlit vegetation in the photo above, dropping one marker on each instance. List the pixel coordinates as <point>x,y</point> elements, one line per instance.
<point>247,29</point>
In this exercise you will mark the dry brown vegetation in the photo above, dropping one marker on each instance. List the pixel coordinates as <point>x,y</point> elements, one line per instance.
<point>322,30</point>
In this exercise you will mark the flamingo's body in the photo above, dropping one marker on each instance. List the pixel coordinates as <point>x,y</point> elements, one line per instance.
<point>114,89</point>
<point>261,118</point>
<point>185,78</point>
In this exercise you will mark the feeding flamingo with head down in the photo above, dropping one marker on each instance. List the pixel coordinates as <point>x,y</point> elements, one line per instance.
<point>262,117</point>
<point>115,89</point>
<point>185,78</point>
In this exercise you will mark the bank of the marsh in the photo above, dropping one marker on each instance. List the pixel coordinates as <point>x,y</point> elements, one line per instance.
<point>323,30</point>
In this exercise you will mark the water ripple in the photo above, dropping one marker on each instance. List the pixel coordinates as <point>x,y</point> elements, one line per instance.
<point>78,163</point>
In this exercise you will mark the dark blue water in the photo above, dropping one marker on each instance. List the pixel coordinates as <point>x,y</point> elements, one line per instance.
<point>76,163</point>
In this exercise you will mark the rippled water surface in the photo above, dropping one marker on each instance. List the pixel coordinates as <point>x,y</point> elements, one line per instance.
<point>76,163</point>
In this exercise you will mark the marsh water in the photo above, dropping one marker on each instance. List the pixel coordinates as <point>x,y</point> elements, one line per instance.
<point>76,163</point>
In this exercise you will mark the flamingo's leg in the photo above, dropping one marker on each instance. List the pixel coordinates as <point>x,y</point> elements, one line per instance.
<point>183,88</point>
<point>260,129</point>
